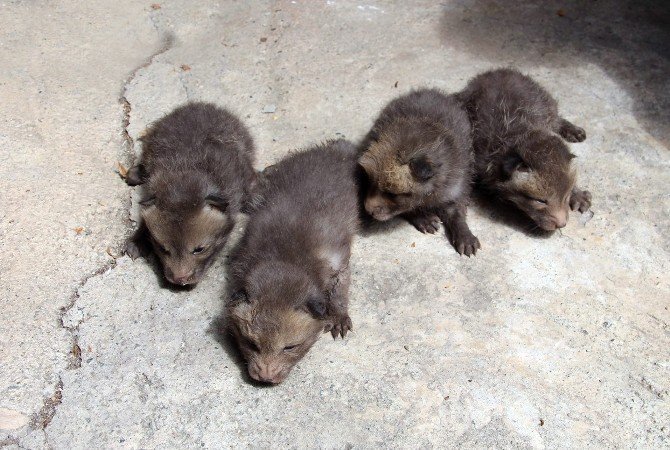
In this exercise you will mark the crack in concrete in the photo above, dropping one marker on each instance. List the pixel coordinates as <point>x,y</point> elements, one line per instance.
<point>167,43</point>
<point>655,390</point>
<point>75,350</point>
<point>9,441</point>
<point>184,83</point>
<point>41,419</point>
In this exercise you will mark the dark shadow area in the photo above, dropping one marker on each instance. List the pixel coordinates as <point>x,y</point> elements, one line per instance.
<point>507,214</point>
<point>371,227</point>
<point>630,40</point>
<point>218,329</point>
<point>139,246</point>
<point>496,210</point>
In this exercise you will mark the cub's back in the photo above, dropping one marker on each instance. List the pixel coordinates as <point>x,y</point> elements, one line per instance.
<point>504,103</point>
<point>309,196</point>
<point>197,134</point>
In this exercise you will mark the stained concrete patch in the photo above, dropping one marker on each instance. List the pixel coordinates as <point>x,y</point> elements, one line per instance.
<point>555,341</point>
<point>11,420</point>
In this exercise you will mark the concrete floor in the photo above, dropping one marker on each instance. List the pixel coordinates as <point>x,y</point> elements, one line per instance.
<point>556,342</point>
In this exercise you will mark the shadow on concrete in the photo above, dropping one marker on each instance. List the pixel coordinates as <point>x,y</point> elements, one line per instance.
<point>371,227</point>
<point>498,211</point>
<point>507,214</point>
<point>630,40</point>
<point>139,246</point>
<point>219,331</point>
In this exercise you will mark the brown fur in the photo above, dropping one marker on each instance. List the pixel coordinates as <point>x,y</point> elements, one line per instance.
<point>176,239</point>
<point>290,272</point>
<point>197,173</point>
<point>418,160</point>
<point>519,150</point>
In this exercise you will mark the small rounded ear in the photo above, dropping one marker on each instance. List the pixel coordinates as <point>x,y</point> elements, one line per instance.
<point>136,175</point>
<point>217,202</point>
<point>422,168</point>
<point>513,162</point>
<point>317,306</point>
<point>239,296</point>
<point>366,162</point>
<point>151,201</point>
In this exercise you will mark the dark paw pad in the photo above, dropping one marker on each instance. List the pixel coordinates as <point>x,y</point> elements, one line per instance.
<point>580,201</point>
<point>466,244</point>
<point>573,133</point>
<point>426,224</point>
<point>341,326</point>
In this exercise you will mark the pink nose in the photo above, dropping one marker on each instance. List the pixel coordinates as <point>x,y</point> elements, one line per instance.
<point>267,373</point>
<point>556,218</point>
<point>560,219</point>
<point>182,278</point>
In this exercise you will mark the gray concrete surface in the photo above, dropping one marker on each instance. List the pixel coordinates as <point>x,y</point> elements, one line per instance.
<point>560,342</point>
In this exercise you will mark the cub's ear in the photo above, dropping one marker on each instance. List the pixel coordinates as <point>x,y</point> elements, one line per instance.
<point>422,168</point>
<point>239,296</point>
<point>147,202</point>
<point>136,175</point>
<point>316,305</point>
<point>513,162</point>
<point>367,162</point>
<point>217,202</point>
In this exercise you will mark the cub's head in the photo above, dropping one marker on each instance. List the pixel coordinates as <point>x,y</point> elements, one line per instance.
<point>188,224</point>
<point>276,316</point>
<point>403,167</point>
<point>537,176</point>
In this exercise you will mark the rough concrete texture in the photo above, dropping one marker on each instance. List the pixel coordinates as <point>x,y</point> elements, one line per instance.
<point>536,342</point>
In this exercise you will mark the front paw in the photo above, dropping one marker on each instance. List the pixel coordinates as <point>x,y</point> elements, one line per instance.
<point>580,200</point>
<point>429,223</point>
<point>339,326</point>
<point>574,134</point>
<point>571,132</point>
<point>465,243</point>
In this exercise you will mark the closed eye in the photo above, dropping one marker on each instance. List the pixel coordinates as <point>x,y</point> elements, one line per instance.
<point>534,199</point>
<point>162,249</point>
<point>392,196</point>
<point>252,345</point>
<point>290,347</point>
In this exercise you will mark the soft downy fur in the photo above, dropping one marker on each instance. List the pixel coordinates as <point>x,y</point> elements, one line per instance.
<point>418,160</point>
<point>197,171</point>
<point>290,271</point>
<point>520,153</point>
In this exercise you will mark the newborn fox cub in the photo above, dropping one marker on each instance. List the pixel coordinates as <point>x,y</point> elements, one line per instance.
<point>197,171</point>
<point>290,272</point>
<point>519,150</point>
<point>419,162</point>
